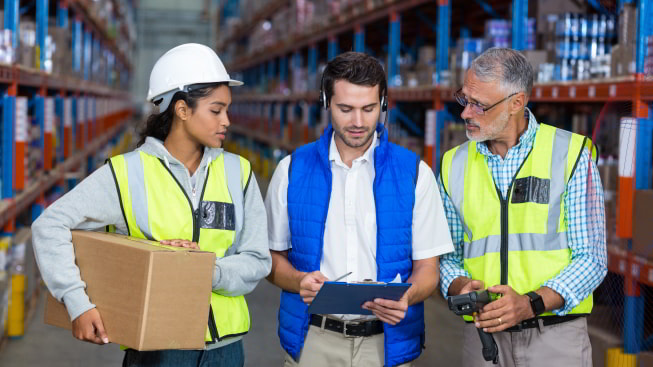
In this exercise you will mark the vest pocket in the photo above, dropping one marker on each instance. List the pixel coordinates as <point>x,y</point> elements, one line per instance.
<point>217,215</point>
<point>531,190</point>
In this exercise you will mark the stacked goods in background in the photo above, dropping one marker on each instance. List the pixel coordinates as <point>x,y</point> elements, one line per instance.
<point>58,48</point>
<point>577,47</point>
<point>19,283</point>
<point>623,54</point>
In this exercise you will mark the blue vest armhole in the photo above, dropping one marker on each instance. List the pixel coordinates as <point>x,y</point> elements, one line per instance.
<point>417,170</point>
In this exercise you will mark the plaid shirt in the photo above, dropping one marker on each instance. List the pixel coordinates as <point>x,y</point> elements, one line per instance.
<point>584,216</point>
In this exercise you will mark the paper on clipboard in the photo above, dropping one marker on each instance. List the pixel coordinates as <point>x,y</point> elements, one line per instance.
<point>347,298</point>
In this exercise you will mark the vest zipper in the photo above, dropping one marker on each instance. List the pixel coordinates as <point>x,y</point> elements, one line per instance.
<point>504,222</point>
<point>504,236</point>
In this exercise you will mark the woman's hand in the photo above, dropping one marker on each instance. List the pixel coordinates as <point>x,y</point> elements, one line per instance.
<point>181,243</point>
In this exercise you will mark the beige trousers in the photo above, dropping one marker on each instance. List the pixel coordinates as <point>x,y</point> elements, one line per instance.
<point>324,348</point>
<point>560,345</point>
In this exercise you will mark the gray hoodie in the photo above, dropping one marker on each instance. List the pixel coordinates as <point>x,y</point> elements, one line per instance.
<point>93,204</point>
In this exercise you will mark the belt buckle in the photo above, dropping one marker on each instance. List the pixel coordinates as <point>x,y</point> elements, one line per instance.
<point>344,329</point>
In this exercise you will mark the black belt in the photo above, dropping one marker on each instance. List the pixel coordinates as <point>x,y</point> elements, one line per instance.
<point>363,328</point>
<point>546,321</point>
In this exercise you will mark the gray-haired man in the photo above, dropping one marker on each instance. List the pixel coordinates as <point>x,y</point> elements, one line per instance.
<point>524,203</point>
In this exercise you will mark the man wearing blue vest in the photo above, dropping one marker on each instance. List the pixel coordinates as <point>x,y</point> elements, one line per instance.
<point>524,203</point>
<point>354,202</point>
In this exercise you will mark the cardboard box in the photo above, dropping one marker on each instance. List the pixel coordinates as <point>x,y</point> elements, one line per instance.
<point>628,25</point>
<point>547,7</point>
<point>150,297</point>
<point>645,359</point>
<point>615,60</point>
<point>536,58</point>
<point>642,231</point>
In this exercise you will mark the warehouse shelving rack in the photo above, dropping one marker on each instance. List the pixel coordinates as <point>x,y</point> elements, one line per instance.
<point>636,89</point>
<point>87,114</point>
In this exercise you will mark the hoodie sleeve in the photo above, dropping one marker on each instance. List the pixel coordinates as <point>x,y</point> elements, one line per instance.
<point>92,204</point>
<point>249,261</point>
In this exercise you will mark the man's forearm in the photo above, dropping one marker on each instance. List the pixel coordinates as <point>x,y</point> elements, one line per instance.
<point>424,280</point>
<point>457,285</point>
<point>283,274</point>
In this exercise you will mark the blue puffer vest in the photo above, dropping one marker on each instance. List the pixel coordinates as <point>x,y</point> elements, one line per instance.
<point>309,191</point>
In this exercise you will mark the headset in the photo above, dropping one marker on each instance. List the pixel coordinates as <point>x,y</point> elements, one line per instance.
<point>325,101</point>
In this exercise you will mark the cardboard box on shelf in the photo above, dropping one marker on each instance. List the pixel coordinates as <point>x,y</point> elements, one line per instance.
<point>615,61</point>
<point>536,58</point>
<point>150,296</point>
<point>548,7</point>
<point>645,359</point>
<point>642,214</point>
<point>628,25</point>
<point>425,74</point>
<point>452,136</point>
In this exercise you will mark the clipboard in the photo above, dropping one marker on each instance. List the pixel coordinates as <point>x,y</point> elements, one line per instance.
<point>347,298</point>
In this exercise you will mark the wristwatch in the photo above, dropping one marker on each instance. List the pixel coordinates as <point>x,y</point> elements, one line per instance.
<point>537,304</point>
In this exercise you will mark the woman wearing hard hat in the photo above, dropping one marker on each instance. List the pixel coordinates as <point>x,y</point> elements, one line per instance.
<point>179,154</point>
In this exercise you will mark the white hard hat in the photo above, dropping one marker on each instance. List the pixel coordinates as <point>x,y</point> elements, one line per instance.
<point>183,66</point>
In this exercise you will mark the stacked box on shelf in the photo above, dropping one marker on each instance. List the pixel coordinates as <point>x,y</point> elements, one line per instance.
<point>625,53</point>
<point>498,33</point>
<point>582,47</point>
<point>34,162</point>
<point>51,133</point>
<point>22,141</point>
<point>467,49</point>
<point>7,52</point>
<point>27,43</point>
<point>62,55</point>
<point>648,61</point>
<point>425,67</point>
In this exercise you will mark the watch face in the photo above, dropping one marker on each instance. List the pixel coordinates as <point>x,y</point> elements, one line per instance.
<point>537,303</point>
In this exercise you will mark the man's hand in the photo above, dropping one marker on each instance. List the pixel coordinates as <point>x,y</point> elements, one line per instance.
<point>181,243</point>
<point>310,284</point>
<point>462,285</point>
<point>88,327</point>
<point>507,311</point>
<point>388,311</point>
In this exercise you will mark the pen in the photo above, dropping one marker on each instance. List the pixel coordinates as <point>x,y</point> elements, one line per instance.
<point>344,276</point>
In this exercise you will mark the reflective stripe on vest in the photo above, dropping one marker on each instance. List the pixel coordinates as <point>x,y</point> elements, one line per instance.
<point>155,206</point>
<point>536,238</point>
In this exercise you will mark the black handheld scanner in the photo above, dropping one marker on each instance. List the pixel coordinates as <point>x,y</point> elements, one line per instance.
<point>468,304</point>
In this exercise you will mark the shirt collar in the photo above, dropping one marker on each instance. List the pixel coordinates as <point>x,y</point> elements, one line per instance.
<point>526,138</point>
<point>334,155</point>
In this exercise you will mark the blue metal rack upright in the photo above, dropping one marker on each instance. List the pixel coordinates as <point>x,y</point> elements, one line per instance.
<point>394,45</point>
<point>634,302</point>
<point>77,44</point>
<point>519,30</point>
<point>359,38</point>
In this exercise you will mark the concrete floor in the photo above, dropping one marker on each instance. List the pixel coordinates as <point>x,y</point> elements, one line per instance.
<point>45,345</point>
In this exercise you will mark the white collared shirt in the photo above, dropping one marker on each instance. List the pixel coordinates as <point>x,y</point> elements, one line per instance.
<point>350,233</point>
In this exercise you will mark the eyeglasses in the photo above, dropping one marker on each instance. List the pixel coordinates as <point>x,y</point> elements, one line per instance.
<point>476,108</point>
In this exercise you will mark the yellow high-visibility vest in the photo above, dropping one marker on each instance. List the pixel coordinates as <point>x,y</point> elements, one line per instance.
<point>156,207</point>
<point>520,241</point>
